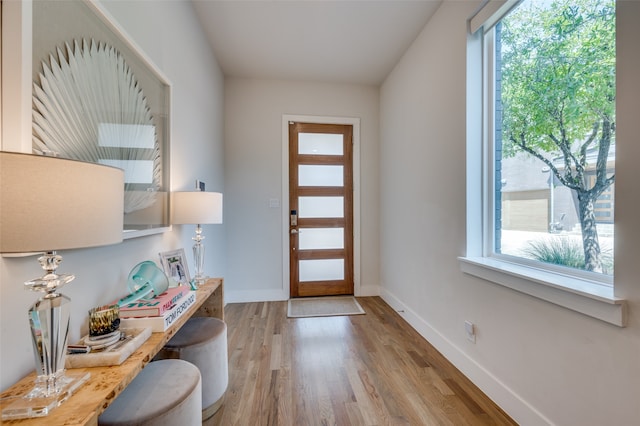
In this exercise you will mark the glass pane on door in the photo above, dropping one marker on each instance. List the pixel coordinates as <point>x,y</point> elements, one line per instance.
<point>320,238</point>
<point>312,175</point>
<point>318,207</point>
<point>321,270</point>
<point>320,143</point>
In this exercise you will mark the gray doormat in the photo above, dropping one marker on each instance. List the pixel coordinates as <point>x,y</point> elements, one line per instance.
<point>324,307</point>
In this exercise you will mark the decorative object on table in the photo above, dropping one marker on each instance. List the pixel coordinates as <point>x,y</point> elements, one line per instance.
<point>115,354</point>
<point>104,320</point>
<point>50,204</point>
<point>196,208</point>
<point>145,281</point>
<point>156,306</point>
<point>175,266</point>
<point>164,321</point>
<point>97,343</point>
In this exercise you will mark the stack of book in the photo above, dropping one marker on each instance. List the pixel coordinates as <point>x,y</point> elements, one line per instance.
<point>160,312</point>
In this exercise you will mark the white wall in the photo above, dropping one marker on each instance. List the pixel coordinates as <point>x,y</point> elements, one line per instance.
<point>540,362</point>
<point>253,175</point>
<point>168,32</point>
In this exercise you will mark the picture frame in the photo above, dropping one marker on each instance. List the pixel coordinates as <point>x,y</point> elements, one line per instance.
<point>174,264</point>
<point>136,139</point>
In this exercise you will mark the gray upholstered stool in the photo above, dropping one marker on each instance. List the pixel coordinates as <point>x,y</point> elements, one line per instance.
<point>165,393</point>
<point>203,342</point>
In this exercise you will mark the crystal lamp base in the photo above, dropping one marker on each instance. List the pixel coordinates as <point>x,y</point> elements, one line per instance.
<point>198,259</point>
<point>49,324</point>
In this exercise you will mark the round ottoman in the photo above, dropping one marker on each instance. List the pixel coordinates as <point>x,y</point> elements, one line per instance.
<point>203,342</point>
<point>165,393</point>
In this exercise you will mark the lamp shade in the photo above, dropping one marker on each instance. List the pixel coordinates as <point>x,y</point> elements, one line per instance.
<point>50,204</point>
<point>196,207</point>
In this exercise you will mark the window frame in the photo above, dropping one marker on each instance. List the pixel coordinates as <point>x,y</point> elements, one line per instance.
<point>581,291</point>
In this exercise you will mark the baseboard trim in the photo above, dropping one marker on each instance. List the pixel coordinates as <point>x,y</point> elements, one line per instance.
<point>248,296</point>
<point>516,407</point>
<point>367,290</point>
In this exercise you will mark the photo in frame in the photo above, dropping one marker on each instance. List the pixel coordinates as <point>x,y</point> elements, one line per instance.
<point>175,266</point>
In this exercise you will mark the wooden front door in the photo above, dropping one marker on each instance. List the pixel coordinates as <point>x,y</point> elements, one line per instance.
<point>321,204</point>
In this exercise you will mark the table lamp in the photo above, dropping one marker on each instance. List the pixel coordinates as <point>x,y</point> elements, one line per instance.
<point>50,204</point>
<point>196,208</point>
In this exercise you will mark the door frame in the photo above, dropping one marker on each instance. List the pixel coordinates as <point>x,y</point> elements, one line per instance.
<point>355,122</point>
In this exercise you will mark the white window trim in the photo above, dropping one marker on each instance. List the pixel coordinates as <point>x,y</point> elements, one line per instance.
<point>580,295</point>
<point>589,297</point>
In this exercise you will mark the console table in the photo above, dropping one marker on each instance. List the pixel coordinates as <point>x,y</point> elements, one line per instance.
<point>106,383</point>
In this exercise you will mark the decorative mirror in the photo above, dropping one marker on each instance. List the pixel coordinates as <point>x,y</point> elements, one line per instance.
<point>96,98</point>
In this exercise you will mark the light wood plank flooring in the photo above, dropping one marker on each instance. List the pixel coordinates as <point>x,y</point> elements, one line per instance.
<point>371,369</point>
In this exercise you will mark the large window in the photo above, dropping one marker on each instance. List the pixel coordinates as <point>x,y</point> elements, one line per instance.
<point>554,137</point>
<point>545,73</point>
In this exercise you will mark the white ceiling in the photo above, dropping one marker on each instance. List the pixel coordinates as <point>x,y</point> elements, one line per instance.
<point>337,41</point>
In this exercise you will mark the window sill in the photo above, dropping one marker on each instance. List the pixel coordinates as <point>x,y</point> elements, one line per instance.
<point>587,297</point>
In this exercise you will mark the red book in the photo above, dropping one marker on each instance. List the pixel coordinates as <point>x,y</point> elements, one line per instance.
<point>154,307</point>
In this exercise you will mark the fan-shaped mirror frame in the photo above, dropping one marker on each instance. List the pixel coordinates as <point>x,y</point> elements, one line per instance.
<point>97,97</point>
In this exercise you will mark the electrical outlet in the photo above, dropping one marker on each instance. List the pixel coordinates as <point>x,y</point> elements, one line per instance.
<point>470,328</point>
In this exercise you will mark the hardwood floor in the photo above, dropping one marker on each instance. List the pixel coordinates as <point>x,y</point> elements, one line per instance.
<point>371,369</point>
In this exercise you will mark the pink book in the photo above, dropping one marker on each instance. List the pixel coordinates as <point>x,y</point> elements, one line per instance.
<point>154,307</point>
